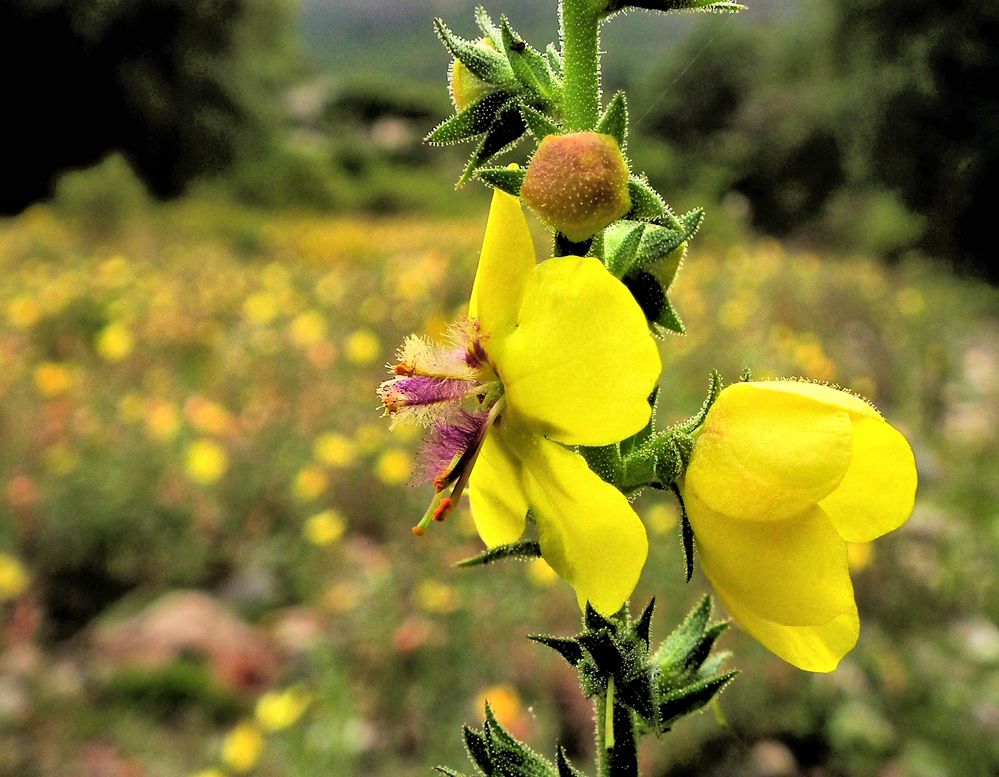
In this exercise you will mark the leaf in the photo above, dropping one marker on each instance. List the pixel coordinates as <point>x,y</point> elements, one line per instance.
<point>522,551</point>
<point>539,125</point>
<point>691,698</point>
<point>614,121</point>
<point>476,119</point>
<point>529,67</point>
<point>489,65</point>
<point>506,179</point>
<point>673,651</point>
<point>646,204</point>
<point>669,319</point>
<point>569,649</point>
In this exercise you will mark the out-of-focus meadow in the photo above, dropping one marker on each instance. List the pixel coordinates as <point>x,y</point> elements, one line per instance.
<point>206,565</point>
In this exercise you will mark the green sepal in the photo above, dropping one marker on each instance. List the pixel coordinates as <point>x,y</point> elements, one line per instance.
<point>522,551</point>
<point>563,246</point>
<point>605,460</point>
<point>715,385</point>
<point>510,756</point>
<point>538,124</point>
<point>620,245</point>
<point>569,649</point>
<point>565,767</point>
<point>661,243</point>
<point>488,65</point>
<point>676,6</point>
<point>593,620</point>
<point>614,121</point>
<point>505,131</point>
<point>476,119</point>
<point>489,29</point>
<point>651,297</point>
<point>554,58</point>
<point>684,638</point>
<point>691,698</point>
<point>449,772</point>
<point>686,535</point>
<point>643,626</point>
<point>646,204</point>
<point>506,179</point>
<point>477,747</point>
<point>528,65</point>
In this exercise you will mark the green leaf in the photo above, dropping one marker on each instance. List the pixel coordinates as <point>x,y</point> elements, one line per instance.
<point>646,204</point>
<point>540,125</point>
<point>522,551</point>
<point>478,749</point>
<point>691,698</point>
<point>476,119</point>
<point>673,651</point>
<point>489,65</point>
<point>614,121</point>
<point>529,67</point>
<point>569,649</point>
<point>506,179</point>
<point>505,131</point>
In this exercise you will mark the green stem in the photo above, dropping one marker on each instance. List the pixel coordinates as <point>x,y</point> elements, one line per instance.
<point>617,750</point>
<point>580,29</point>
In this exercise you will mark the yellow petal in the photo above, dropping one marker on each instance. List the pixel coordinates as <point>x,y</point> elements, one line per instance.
<point>506,259</point>
<point>793,572</point>
<point>769,454</point>
<point>819,392</point>
<point>581,362</point>
<point>588,531</point>
<point>879,490</point>
<point>495,494</point>
<point>812,648</point>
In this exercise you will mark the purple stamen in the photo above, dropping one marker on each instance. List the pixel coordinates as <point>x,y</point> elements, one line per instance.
<point>445,440</point>
<point>420,390</point>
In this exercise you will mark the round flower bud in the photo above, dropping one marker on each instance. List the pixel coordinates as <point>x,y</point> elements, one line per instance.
<point>465,86</point>
<point>577,183</point>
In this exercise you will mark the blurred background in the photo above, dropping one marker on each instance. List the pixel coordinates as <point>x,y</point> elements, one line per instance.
<point>219,221</point>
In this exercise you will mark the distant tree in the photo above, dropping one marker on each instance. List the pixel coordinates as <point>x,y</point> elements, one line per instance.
<point>182,87</point>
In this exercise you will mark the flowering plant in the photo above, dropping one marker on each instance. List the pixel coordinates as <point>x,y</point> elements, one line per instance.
<point>542,406</point>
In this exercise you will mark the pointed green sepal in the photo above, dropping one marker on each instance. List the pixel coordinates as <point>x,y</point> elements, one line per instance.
<point>506,130</point>
<point>528,65</point>
<point>505,179</point>
<point>605,460</point>
<point>621,242</point>
<point>476,119</point>
<point>448,771</point>
<point>661,243</point>
<point>477,747</point>
<point>593,620</point>
<point>489,29</point>
<point>539,125</point>
<point>650,295</point>
<point>691,698</point>
<point>521,551</point>
<point>614,121</point>
<point>646,204</point>
<point>486,63</point>
<point>569,649</point>
<point>686,536</point>
<point>643,626</point>
<point>676,6</point>
<point>510,755</point>
<point>565,767</point>
<point>684,638</point>
<point>554,59</point>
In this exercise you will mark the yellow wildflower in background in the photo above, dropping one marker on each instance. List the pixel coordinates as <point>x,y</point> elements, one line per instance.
<point>324,528</point>
<point>782,477</point>
<point>13,578</point>
<point>393,467</point>
<point>334,450</point>
<point>242,747</point>
<point>206,461</point>
<point>310,483</point>
<point>53,379</point>
<point>363,347</point>
<point>209,773</point>
<point>23,312</point>
<point>307,328</point>
<point>437,597</point>
<point>114,342</point>
<point>278,710</point>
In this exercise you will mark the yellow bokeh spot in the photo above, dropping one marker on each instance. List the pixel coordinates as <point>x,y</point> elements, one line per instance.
<point>307,328</point>
<point>162,420</point>
<point>369,437</point>
<point>393,467</point>
<point>334,450</point>
<point>278,710</point>
<point>61,459</point>
<point>206,461</point>
<point>342,597</point>
<point>540,573</point>
<point>208,417</point>
<point>242,747</point>
<point>114,342</point>
<point>310,483</point>
<point>363,347</point>
<point>324,528</point>
<point>859,555</point>
<point>23,312</point>
<point>504,700</point>
<point>434,596</point>
<point>132,407</point>
<point>261,307</point>
<point>208,773</point>
<point>53,379</point>
<point>661,518</point>
<point>13,577</point>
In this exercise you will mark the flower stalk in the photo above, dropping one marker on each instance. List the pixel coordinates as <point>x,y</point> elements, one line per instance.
<point>579,27</point>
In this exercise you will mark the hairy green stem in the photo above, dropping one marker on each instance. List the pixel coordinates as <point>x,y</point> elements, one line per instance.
<point>580,28</point>
<point>617,749</point>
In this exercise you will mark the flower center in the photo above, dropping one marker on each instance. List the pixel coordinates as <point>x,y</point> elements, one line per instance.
<point>452,391</point>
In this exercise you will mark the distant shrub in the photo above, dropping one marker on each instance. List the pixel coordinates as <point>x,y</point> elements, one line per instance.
<point>102,198</point>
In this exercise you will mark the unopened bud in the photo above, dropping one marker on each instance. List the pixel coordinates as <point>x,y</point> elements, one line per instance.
<point>577,183</point>
<point>466,87</point>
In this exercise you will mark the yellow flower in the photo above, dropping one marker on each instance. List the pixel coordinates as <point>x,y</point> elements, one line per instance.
<point>362,346</point>
<point>277,710</point>
<point>53,379</point>
<point>324,528</point>
<point>783,475</point>
<point>310,483</point>
<point>242,747</point>
<point>334,450</point>
<point>13,578</point>
<point>393,467</point>
<point>553,355</point>
<point>114,342</point>
<point>206,461</point>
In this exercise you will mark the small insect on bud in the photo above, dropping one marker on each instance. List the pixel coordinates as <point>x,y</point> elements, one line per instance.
<point>577,183</point>
<point>466,87</point>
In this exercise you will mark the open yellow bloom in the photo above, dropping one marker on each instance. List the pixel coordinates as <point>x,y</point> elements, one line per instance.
<point>782,477</point>
<point>553,354</point>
